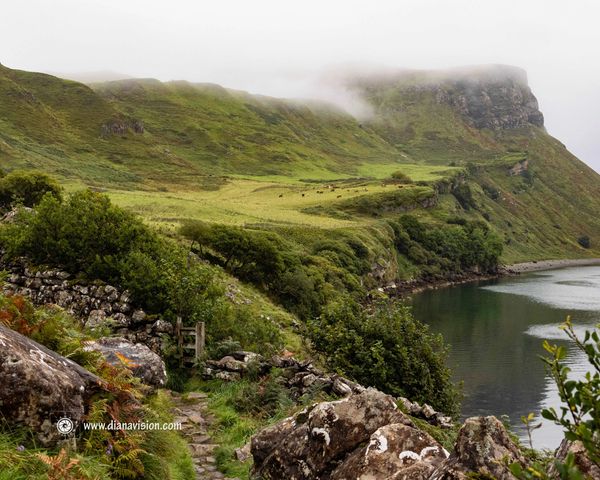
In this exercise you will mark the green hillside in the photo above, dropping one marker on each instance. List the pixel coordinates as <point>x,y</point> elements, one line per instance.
<point>473,143</point>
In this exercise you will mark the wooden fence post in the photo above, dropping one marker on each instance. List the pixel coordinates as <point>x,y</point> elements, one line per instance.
<point>200,339</point>
<point>179,336</point>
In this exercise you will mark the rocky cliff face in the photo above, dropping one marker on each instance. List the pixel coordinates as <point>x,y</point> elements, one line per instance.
<point>497,98</point>
<point>494,96</point>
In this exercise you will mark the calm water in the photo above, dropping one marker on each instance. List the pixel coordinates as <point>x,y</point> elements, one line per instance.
<point>496,330</point>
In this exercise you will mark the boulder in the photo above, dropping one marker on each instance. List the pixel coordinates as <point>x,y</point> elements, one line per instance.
<point>143,362</point>
<point>483,448</point>
<point>38,386</point>
<point>394,451</point>
<point>311,444</point>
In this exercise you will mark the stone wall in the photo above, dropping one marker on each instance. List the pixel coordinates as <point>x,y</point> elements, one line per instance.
<point>95,304</point>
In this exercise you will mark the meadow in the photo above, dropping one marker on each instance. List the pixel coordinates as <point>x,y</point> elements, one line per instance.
<point>273,200</point>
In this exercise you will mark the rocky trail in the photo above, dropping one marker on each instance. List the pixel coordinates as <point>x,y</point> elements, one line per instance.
<point>190,411</point>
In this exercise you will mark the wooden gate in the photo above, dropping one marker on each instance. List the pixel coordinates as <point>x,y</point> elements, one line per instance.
<point>190,342</point>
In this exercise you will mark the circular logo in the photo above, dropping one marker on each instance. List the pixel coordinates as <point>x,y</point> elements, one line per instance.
<point>65,426</point>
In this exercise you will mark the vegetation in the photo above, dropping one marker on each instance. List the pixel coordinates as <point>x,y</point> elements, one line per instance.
<point>85,233</point>
<point>26,188</point>
<point>101,453</point>
<point>389,350</point>
<point>242,408</point>
<point>580,413</point>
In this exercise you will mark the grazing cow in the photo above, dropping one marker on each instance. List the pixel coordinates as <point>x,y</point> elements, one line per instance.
<point>302,194</point>
<point>280,195</point>
<point>339,196</point>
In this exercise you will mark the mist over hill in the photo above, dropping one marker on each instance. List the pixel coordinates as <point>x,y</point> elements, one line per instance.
<point>143,134</point>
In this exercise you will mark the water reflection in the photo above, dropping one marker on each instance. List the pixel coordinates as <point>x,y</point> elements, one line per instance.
<point>496,330</point>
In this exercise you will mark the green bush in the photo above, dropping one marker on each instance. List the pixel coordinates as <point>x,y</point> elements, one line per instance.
<point>26,188</point>
<point>401,177</point>
<point>301,278</point>
<point>584,241</point>
<point>442,249</point>
<point>387,349</point>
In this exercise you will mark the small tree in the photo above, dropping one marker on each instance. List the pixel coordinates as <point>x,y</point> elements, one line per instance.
<point>580,415</point>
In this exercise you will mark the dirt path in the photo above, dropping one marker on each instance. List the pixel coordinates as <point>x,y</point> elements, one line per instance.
<point>191,412</point>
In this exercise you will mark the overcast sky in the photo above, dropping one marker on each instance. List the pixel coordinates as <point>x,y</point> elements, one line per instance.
<point>276,46</point>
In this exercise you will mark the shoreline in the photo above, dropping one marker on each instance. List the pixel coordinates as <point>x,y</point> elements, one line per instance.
<point>404,289</point>
<point>540,265</point>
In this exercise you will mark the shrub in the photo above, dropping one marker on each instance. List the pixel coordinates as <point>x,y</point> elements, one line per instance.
<point>580,414</point>
<point>389,350</point>
<point>26,188</point>
<point>302,279</point>
<point>439,249</point>
<point>401,177</point>
<point>584,241</point>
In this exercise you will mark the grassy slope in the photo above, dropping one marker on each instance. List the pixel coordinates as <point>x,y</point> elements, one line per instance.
<point>227,156</point>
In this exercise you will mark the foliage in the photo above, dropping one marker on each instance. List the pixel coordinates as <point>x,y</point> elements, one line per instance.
<point>580,415</point>
<point>566,470</point>
<point>584,241</point>
<point>464,196</point>
<point>303,278</point>
<point>50,326</point>
<point>117,454</point>
<point>387,349</point>
<point>26,188</point>
<point>86,233</point>
<point>443,249</point>
<point>401,177</point>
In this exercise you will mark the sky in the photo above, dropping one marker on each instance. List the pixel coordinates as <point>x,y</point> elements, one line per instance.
<point>278,47</point>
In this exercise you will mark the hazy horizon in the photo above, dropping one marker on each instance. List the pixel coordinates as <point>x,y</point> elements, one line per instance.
<point>279,49</point>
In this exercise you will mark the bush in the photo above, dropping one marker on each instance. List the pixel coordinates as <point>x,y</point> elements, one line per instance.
<point>584,241</point>
<point>441,249</point>
<point>302,279</point>
<point>389,350</point>
<point>26,188</point>
<point>580,415</point>
<point>401,177</point>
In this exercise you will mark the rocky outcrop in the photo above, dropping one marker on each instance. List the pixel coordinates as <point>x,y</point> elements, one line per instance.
<point>143,362</point>
<point>519,168</point>
<point>484,448</point>
<point>302,377</point>
<point>299,376</point>
<point>365,437</point>
<point>394,452</point>
<point>316,440</point>
<point>38,386</point>
<point>496,97</point>
<point>93,303</point>
<point>121,127</point>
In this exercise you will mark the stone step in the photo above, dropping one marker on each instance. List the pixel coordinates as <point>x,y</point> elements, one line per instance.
<point>202,449</point>
<point>200,438</point>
